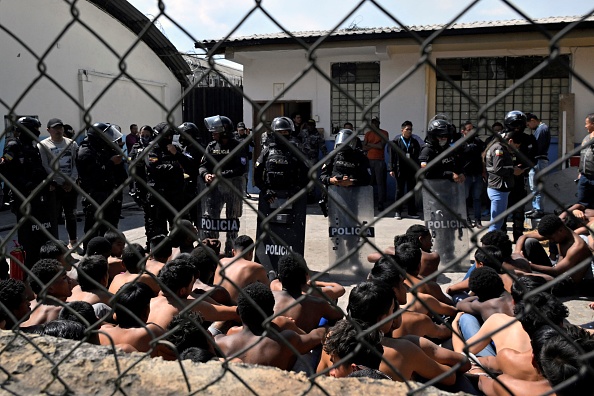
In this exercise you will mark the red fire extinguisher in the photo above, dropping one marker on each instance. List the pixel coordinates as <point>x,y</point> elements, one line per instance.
<point>17,261</point>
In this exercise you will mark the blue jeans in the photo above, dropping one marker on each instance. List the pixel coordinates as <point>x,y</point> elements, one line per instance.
<point>537,196</point>
<point>474,187</point>
<point>498,206</point>
<point>585,192</point>
<point>469,326</point>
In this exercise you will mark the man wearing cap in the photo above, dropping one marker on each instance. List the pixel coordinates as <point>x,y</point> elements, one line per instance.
<point>64,175</point>
<point>541,156</point>
<point>374,143</point>
<point>240,135</point>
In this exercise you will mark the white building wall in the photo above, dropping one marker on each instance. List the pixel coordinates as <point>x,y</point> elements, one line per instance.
<point>584,97</point>
<point>79,67</point>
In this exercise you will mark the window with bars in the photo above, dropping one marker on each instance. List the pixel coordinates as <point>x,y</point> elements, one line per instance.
<point>362,81</point>
<point>485,78</point>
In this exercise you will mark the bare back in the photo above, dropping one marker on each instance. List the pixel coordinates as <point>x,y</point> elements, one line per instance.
<point>307,313</point>
<point>126,277</point>
<point>240,272</point>
<point>92,297</point>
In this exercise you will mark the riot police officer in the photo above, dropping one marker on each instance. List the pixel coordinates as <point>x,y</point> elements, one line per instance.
<point>439,135</point>
<point>21,165</point>
<point>193,144</point>
<point>350,166</point>
<point>225,184</point>
<point>137,167</point>
<point>98,162</point>
<point>516,121</point>
<point>279,174</point>
<point>165,176</point>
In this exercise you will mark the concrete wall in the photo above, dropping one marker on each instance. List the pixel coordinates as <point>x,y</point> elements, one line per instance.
<point>79,67</point>
<point>584,98</point>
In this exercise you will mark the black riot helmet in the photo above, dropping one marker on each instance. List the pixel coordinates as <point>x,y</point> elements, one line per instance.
<point>439,127</point>
<point>515,120</point>
<point>28,128</point>
<point>191,129</point>
<point>221,125</point>
<point>103,135</point>
<point>164,133</point>
<point>347,139</point>
<point>280,124</point>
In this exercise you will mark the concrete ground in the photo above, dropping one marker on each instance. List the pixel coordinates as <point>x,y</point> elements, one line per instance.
<point>316,245</point>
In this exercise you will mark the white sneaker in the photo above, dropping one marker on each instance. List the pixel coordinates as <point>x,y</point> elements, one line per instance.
<point>397,216</point>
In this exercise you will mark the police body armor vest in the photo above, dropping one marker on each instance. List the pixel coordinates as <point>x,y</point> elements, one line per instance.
<point>279,169</point>
<point>345,164</point>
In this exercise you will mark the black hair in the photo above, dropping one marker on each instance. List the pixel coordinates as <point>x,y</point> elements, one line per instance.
<point>45,270</point>
<point>387,270</point>
<point>519,137</point>
<point>132,256</point>
<point>242,243</point>
<point>531,116</point>
<point>343,339</point>
<point>176,274</point>
<point>196,355</point>
<point>249,311</point>
<point>133,125</point>
<point>497,123</point>
<point>136,298</point>
<point>406,123</point>
<point>84,310</point>
<point>418,230</point>
<point>99,246</point>
<point>369,301</point>
<point>206,261</point>
<point>524,284</point>
<point>410,239</point>
<point>114,236</point>
<point>12,294</point>
<point>160,246</point>
<point>559,358</point>
<point>369,373</point>
<point>409,257</point>
<point>292,272</point>
<point>52,250</point>
<point>91,268</point>
<point>181,232</point>
<point>146,128</point>
<point>539,310</point>
<point>184,331</point>
<point>485,283</point>
<point>68,329</point>
<point>490,256</point>
<point>549,224</point>
<point>499,239</point>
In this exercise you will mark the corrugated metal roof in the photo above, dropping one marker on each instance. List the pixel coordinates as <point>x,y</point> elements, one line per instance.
<point>394,32</point>
<point>134,20</point>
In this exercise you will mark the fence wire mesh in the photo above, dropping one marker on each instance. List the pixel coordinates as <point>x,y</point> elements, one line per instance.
<point>395,319</point>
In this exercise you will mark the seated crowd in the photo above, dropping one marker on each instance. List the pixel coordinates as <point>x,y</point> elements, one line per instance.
<point>502,330</point>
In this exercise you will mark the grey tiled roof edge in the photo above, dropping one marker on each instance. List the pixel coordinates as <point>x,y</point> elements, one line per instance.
<point>394,32</point>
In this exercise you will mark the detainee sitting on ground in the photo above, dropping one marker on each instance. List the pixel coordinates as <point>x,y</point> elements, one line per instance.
<point>573,251</point>
<point>306,310</point>
<point>133,258</point>
<point>52,287</point>
<point>237,272</point>
<point>269,342</point>
<point>114,261</point>
<point>92,281</point>
<point>490,296</point>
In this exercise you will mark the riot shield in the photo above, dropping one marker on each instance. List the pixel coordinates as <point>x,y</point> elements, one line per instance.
<point>562,186</point>
<point>285,233</point>
<point>447,223</point>
<point>344,231</point>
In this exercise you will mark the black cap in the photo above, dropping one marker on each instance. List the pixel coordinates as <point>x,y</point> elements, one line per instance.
<point>54,122</point>
<point>240,125</point>
<point>311,121</point>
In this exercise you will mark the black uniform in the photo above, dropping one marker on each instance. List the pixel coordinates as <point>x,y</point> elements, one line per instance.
<point>99,177</point>
<point>21,165</point>
<point>279,174</point>
<point>165,175</point>
<point>444,169</point>
<point>191,166</point>
<point>223,194</point>
<point>352,163</point>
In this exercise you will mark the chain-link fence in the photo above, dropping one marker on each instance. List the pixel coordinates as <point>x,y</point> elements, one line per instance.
<point>184,299</point>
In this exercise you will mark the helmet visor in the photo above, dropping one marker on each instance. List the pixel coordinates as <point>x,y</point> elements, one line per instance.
<point>214,124</point>
<point>112,134</point>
